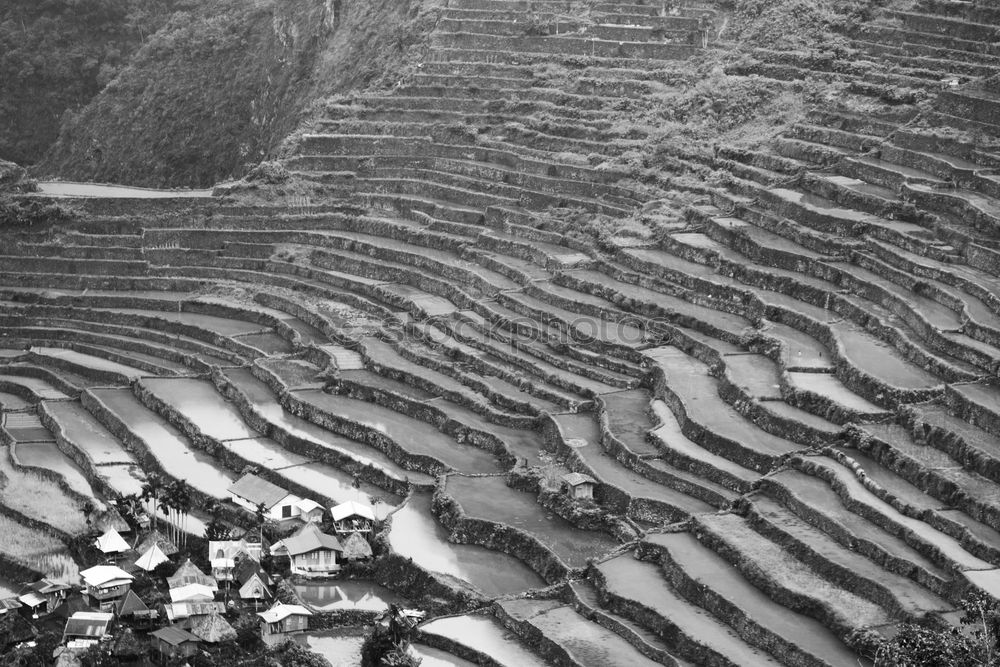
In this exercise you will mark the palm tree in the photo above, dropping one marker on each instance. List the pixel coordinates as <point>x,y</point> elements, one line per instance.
<point>87,509</point>
<point>261,514</point>
<point>182,498</point>
<point>168,503</point>
<point>356,485</point>
<point>128,505</point>
<point>151,490</point>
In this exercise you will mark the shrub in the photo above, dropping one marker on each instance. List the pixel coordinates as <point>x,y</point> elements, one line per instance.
<point>20,212</point>
<point>271,172</point>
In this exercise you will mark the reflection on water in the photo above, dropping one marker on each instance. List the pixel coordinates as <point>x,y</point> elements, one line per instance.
<point>486,635</point>
<point>347,595</point>
<point>199,401</point>
<point>415,534</point>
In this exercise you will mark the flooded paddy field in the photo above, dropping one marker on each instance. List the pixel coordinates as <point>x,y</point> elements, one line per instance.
<point>747,415</point>
<point>347,594</point>
<point>490,498</point>
<point>416,534</point>
<point>171,449</point>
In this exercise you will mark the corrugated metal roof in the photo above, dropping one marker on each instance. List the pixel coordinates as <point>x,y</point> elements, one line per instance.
<point>257,490</point>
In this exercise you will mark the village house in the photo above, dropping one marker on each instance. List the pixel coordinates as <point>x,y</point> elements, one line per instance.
<point>86,628</point>
<point>223,555</point>
<point>310,510</point>
<point>104,584</point>
<point>173,642</point>
<point>151,558</point>
<point>111,543</point>
<point>131,609</point>
<point>251,491</point>
<point>188,573</point>
<point>43,596</point>
<point>282,620</point>
<point>192,593</point>
<point>189,611</point>
<point>254,583</point>
<point>9,604</point>
<point>352,517</point>
<point>579,486</point>
<point>159,540</point>
<point>212,629</point>
<point>356,547</point>
<point>310,551</point>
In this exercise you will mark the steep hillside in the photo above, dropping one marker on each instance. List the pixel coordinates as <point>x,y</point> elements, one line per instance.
<point>734,264</point>
<point>55,55</point>
<point>219,87</point>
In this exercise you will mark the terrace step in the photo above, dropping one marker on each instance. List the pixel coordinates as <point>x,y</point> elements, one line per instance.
<point>942,549</point>
<point>709,581</point>
<point>586,600</point>
<point>705,418</point>
<point>899,595</point>
<point>569,635</point>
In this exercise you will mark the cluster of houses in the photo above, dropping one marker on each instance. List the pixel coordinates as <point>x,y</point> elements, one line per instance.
<point>198,601</point>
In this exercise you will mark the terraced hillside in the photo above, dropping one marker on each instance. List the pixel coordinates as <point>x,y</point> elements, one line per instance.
<point>787,395</point>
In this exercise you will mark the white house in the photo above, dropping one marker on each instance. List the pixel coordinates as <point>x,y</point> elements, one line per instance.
<point>251,491</point>
<point>151,558</point>
<point>352,517</point>
<point>105,584</point>
<point>111,543</point>
<point>310,510</point>
<point>282,620</point>
<point>310,551</point>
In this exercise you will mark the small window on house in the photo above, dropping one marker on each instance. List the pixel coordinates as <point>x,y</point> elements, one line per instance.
<point>286,511</point>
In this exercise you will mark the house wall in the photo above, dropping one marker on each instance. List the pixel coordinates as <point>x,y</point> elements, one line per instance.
<point>253,588</point>
<point>276,513</point>
<point>315,562</point>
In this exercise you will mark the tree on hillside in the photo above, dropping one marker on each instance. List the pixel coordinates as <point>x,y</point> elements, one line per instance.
<point>182,507</point>
<point>261,514</point>
<point>87,509</point>
<point>974,645</point>
<point>151,490</point>
<point>216,529</point>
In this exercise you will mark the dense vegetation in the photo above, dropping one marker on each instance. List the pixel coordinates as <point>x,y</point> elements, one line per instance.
<point>55,55</point>
<point>219,87</point>
<point>975,644</point>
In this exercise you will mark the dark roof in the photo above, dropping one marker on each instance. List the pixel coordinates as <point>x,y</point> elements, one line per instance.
<point>212,628</point>
<point>576,479</point>
<point>46,586</point>
<point>130,604</point>
<point>174,636</point>
<point>156,537</point>
<point>310,538</point>
<point>71,605</point>
<point>15,629</point>
<point>257,490</point>
<point>245,570</point>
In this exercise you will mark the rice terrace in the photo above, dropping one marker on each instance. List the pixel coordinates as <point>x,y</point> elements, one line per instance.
<point>500,332</point>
